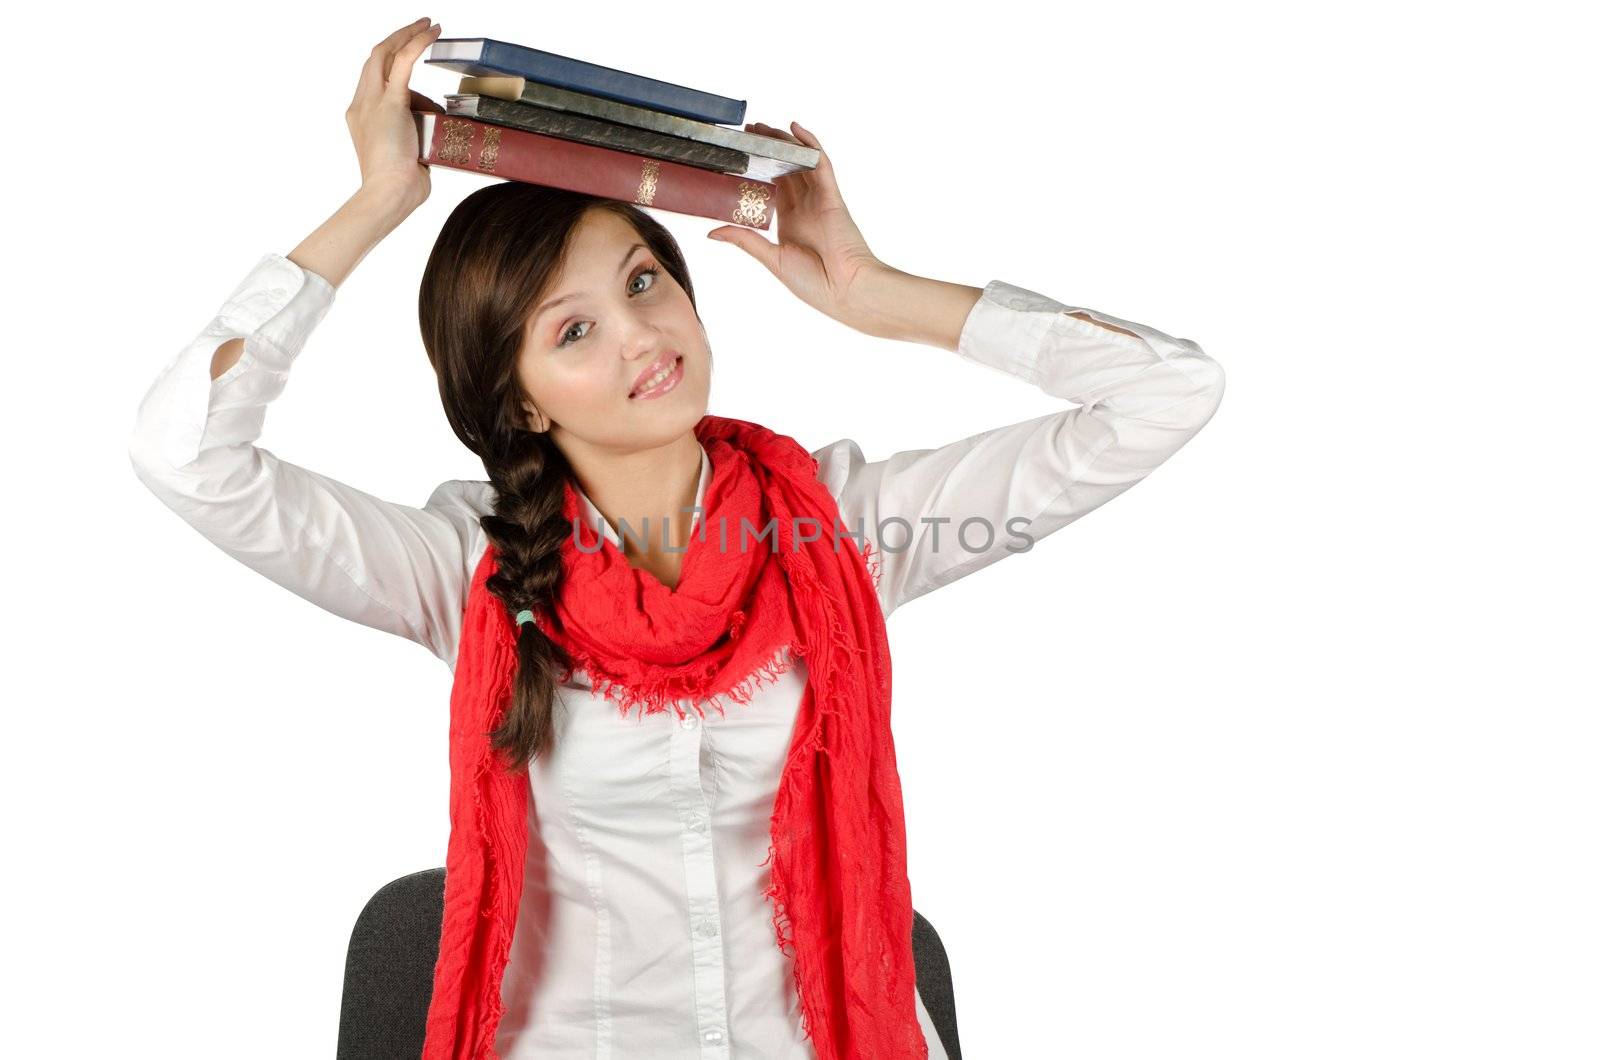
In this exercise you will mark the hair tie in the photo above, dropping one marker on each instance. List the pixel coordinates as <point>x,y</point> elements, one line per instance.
<point>524,616</point>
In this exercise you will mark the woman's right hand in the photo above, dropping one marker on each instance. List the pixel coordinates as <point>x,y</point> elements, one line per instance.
<point>379,117</point>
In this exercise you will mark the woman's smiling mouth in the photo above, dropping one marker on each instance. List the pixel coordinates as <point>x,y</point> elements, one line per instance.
<point>660,381</point>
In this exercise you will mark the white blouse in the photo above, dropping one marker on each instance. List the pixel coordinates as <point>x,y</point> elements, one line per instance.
<point>644,930</point>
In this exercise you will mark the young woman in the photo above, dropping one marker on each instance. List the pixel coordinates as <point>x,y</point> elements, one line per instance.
<point>631,873</point>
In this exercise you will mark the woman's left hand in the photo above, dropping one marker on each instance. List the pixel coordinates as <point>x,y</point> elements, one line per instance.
<point>820,254</point>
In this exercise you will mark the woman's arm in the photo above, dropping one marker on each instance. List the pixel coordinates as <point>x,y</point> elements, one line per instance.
<point>393,567</point>
<point>1141,395</point>
<point>333,251</point>
<point>892,304</point>
<point>385,565</point>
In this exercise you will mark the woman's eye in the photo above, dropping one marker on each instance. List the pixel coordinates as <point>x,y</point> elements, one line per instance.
<point>652,272</point>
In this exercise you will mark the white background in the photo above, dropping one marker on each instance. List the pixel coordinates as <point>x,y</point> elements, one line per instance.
<point>1290,751</point>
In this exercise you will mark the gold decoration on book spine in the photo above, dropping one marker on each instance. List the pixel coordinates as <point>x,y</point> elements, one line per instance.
<point>489,157</point>
<point>752,208</point>
<point>647,183</point>
<point>456,147</point>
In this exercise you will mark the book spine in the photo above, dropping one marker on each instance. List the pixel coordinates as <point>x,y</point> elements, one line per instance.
<point>514,154</point>
<point>621,85</point>
<point>530,117</point>
<point>521,90</point>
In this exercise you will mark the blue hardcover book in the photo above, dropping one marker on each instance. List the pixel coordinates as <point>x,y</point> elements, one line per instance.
<point>483,57</point>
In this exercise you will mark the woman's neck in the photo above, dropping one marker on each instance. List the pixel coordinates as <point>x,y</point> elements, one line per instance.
<point>642,492</point>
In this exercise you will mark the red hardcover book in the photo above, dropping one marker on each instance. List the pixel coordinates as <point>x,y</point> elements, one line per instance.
<point>515,154</point>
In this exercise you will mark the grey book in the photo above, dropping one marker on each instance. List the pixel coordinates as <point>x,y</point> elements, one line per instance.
<point>691,142</point>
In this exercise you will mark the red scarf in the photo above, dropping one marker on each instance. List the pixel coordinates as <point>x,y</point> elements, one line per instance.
<point>841,898</point>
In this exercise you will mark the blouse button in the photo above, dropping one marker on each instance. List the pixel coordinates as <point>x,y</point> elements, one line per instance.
<point>713,1035</point>
<point>708,929</point>
<point>697,822</point>
<point>689,721</point>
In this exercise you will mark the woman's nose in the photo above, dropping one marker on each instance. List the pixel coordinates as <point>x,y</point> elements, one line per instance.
<point>644,344</point>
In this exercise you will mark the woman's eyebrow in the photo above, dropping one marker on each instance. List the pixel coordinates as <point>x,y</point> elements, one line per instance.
<point>537,313</point>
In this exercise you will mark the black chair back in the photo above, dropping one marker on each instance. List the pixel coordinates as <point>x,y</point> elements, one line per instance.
<point>388,973</point>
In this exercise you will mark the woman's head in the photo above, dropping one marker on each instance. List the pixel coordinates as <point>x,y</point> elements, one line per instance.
<point>610,318</point>
<point>509,362</point>
<point>532,387</point>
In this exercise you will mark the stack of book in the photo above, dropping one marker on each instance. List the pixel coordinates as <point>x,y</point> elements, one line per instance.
<point>533,116</point>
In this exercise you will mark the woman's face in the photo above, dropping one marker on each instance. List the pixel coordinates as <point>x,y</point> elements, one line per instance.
<point>618,317</point>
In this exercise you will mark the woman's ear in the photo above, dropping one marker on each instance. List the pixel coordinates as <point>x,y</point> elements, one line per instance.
<point>536,420</point>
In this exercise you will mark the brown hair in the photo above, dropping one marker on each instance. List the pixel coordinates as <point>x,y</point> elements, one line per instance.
<point>494,258</point>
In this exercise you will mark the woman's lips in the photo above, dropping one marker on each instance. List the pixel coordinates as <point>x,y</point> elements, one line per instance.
<point>672,379</point>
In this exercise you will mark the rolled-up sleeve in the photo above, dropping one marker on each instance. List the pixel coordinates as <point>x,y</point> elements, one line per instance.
<point>936,515</point>
<point>390,566</point>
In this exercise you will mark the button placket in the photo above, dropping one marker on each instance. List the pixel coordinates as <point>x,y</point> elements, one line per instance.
<point>700,881</point>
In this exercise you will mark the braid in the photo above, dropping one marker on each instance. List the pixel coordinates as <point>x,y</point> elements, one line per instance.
<point>527,528</point>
